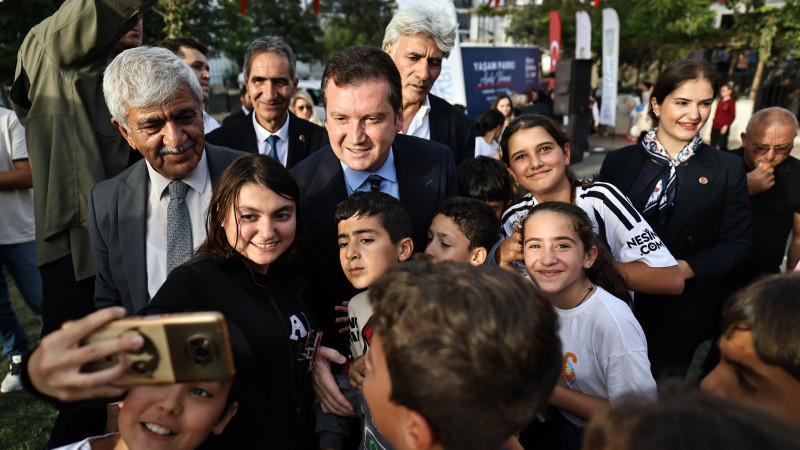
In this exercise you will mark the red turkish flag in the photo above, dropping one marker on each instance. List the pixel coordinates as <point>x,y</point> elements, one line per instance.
<point>555,43</point>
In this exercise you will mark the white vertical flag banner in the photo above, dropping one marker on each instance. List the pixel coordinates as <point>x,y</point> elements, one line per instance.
<point>608,111</point>
<point>583,35</point>
<point>450,84</point>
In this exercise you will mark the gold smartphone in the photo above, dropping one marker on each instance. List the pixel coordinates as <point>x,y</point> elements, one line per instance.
<point>177,348</point>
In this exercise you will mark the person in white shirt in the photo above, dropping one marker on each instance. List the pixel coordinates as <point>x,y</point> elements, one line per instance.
<point>195,54</point>
<point>604,348</point>
<point>418,39</point>
<point>489,128</point>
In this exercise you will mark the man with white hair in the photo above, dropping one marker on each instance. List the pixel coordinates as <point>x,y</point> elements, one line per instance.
<point>150,218</point>
<point>418,40</point>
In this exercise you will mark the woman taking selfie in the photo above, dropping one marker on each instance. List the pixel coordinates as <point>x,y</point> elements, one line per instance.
<point>247,269</point>
<point>695,198</point>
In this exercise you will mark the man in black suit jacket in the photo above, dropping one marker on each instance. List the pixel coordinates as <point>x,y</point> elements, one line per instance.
<point>363,143</point>
<point>418,56</point>
<point>241,113</point>
<point>269,70</point>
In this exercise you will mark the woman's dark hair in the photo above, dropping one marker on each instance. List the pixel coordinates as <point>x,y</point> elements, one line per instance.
<point>497,101</point>
<point>552,128</point>
<point>488,121</point>
<point>257,169</point>
<point>678,73</point>
<point>602,272</point>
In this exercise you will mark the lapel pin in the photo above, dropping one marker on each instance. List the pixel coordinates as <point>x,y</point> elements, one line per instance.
<point>703,180</point>
<point>302,138</point>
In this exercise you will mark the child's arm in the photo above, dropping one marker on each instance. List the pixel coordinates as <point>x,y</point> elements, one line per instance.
<point>357,371</point>
<point>576,403</point>
<point>640,277</point>
<point>345,319</point>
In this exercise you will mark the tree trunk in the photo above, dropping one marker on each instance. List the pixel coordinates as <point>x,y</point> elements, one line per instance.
<point>756,79</point>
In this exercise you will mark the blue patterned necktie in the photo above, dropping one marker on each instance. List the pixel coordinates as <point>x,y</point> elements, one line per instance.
<point>375,182</point>
<point>179,226</point>
<point>272,140</point>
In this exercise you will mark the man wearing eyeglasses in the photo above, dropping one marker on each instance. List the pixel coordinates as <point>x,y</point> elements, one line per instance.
<point>773,179</point>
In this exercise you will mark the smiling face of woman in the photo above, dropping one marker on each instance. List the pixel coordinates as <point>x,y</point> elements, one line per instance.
<point>303,109</point>
<point>261,225</point>
<point>683,113</point>
<point>504,106</point>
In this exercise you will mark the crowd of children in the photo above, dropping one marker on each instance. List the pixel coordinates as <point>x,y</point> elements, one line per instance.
<point>513,327</point>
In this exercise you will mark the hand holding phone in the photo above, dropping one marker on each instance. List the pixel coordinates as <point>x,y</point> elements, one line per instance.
<point>177,348</point>
<point>54,368</point>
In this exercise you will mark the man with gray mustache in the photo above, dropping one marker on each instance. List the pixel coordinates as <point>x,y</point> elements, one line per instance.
<point>150,218</point>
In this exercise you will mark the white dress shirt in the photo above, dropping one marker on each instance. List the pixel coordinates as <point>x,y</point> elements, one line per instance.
<point>283,139</point>
<point>197,200</point>
<point>209,123</point>
<point>420,124</point>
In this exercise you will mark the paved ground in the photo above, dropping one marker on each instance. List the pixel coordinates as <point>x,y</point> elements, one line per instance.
<point>598,147</point>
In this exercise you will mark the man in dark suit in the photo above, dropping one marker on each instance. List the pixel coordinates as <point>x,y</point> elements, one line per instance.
<point>361,93</point>
<point>418,56</point>
<point>244,111</point>
<point>269,71</point>
<point>129,214</point>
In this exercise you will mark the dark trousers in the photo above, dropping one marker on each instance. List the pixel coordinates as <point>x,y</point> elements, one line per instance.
<point>63,299</point>
<point>718,139</point>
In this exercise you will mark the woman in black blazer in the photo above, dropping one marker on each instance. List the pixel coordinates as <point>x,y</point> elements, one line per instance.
<point>695,198</point>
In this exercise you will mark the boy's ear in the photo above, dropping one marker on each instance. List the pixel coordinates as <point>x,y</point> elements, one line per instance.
<point>417,431</point>
<point>226,417</point>
<point>477,256</point>
<point>404,249</point>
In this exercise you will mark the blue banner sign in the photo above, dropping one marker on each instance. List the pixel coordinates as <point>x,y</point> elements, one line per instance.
<point>492,71</point>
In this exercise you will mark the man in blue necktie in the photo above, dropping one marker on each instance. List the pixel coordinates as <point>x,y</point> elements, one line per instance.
<point>362,95</point>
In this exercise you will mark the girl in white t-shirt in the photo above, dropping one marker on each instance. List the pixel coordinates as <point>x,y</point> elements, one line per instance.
<point>488,129</point>
<point>604,348</point>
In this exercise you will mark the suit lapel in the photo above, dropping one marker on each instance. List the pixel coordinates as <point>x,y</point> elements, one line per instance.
<point>693,186</point>
<point>629,169</point>
<point>298,141</point>
<point>132,211</point>
<point>246,134</point>
<point>437,121</point>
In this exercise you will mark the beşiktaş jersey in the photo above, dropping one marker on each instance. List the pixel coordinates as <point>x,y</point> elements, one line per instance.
<point>627,234</point>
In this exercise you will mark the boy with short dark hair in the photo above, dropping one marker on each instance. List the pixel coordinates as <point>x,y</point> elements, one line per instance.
<point>464,230</point>
<point>760,347</point>
<point>462,357</point>
<point>374,234</point>
<point>487,180</point>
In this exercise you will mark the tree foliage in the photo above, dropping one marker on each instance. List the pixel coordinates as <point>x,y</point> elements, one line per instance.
<point>649,31</point>
<point>354,22</point>
<point>17,17</point>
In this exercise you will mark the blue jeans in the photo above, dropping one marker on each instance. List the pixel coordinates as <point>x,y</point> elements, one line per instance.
<point>20,260</point>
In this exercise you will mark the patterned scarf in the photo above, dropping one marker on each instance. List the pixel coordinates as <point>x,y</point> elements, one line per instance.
<point>663,196</point>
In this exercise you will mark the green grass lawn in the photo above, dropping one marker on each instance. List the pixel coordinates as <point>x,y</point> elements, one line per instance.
<point>25,422</point>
